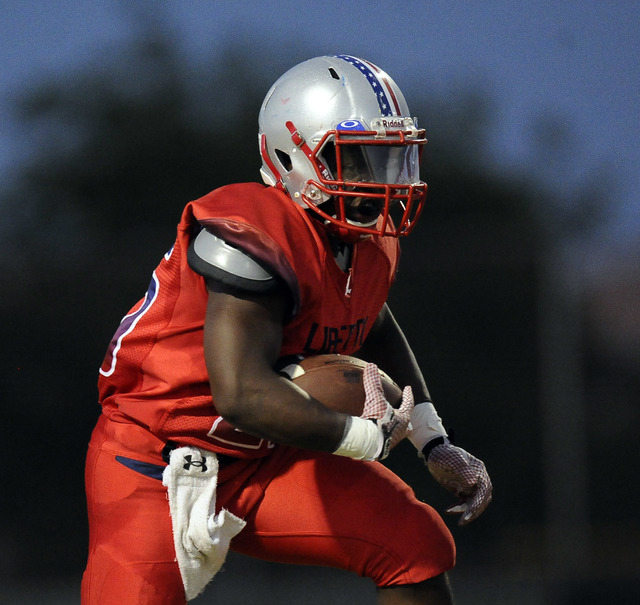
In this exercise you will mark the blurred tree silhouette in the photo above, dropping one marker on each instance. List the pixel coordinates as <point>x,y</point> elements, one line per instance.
<point>121,149</point>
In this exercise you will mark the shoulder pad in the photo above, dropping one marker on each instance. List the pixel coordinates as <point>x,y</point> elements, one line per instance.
<point>214,259</point>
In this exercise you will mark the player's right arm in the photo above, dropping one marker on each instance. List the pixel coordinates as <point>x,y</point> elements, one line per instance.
<point>242,339</point>
<point>246,310</point>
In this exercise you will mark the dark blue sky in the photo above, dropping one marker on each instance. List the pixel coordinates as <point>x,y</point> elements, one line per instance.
<point>577,61</point>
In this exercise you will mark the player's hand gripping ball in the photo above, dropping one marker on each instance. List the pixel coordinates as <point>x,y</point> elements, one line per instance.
<point>351,386</point>
<point>336,381</point>
<point>394,423</point>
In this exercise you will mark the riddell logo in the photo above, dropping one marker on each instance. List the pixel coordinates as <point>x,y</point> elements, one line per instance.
<point>393,123</point>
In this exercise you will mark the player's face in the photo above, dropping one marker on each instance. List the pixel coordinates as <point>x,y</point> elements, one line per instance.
<point>356,169</point>
<point>370,164</point>
<point>364,210</point>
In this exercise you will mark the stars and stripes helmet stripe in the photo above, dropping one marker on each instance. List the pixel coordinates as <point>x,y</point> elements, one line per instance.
<point>379,82</point>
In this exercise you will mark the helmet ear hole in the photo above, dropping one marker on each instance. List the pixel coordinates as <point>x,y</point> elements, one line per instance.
<point>285,159</point>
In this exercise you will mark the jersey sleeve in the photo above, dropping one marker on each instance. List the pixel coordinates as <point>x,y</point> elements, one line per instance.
<point>228,268</point>
<point>268,228</point>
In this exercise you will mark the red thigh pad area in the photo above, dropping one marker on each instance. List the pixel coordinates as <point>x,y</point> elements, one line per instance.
<point>321,509</point>
<point>301,507</point>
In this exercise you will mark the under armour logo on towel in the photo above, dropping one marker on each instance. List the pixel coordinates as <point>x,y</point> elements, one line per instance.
<point>197,463</point>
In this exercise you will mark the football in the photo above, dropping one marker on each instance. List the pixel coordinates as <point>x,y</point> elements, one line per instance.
<point>336,381</point>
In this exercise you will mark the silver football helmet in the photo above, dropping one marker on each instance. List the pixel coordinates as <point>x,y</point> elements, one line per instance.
<point>336,135</point>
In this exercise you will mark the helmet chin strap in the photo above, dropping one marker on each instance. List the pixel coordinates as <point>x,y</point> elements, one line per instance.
<point>325,207</point>
<point>345,235</point>
<point>358,224</point>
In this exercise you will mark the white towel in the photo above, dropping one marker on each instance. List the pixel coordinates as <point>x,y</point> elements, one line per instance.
<point>201,537</point>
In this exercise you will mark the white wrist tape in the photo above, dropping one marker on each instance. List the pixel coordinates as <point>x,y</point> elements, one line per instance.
<point>425,425</point>
<point>362,440</point>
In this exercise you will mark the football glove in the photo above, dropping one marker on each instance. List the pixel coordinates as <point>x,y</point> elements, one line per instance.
<point>380,427</point>
<point>465,476</point>
<point>452,467</point>
<point>394,424</point>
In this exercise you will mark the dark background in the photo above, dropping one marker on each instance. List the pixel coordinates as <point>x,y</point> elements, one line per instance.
<point>533,362</point>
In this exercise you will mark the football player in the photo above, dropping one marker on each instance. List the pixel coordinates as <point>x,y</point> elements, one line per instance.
<point>201,445</point>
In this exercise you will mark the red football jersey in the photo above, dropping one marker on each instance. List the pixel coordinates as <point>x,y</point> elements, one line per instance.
<point>154,372</point>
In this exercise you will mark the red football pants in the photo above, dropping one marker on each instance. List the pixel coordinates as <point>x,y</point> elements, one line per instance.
<point>300,507</point>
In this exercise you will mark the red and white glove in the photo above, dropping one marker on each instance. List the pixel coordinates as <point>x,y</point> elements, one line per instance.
<point>380,427</point>
<point>451,466</point>
<point>465,476</point>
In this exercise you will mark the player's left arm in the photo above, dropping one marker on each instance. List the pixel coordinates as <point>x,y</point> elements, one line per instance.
<point>454,468</point>
<point>387,347</point>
